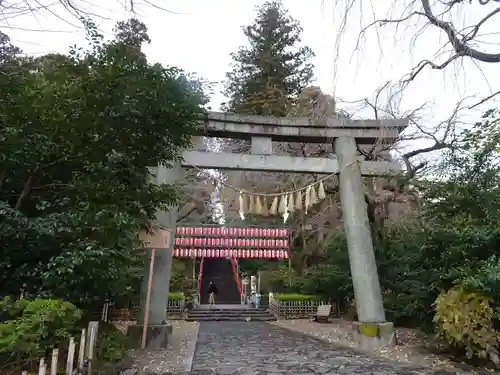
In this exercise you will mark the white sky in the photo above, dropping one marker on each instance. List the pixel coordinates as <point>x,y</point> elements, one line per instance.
<point>202,35</point>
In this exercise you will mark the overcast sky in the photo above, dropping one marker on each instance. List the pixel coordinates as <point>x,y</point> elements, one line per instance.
<point>201,34</point>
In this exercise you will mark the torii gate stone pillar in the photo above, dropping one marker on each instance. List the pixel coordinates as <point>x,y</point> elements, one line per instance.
<point>159,330</point>
<point>372,329</point>
<point>348,136</point>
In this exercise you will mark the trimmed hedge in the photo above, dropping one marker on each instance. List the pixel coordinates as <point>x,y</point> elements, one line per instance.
<point>295,297</point>
<point>176,296</point>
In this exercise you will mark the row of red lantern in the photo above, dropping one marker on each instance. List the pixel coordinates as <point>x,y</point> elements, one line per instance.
<point>231,253</point>
<point>232,232</point>
<point>230,242</point>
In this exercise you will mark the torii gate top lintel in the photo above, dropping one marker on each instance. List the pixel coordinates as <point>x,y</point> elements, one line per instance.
<point>263,130</point>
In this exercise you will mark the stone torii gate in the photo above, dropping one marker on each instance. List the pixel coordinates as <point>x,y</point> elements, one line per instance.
<point>346,136</point>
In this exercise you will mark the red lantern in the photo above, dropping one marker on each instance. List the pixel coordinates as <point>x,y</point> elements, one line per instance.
<point>260,253</point>
<point>223,232</point>
<point>285,243</point>
<point>204,252</point>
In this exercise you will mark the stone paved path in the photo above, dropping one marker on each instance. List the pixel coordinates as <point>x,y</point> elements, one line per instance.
<point>251,348</point>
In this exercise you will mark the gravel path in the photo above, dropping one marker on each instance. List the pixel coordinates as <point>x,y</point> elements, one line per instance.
<point>411,348</point>
<point>255,348</point>
<point>177,358</point>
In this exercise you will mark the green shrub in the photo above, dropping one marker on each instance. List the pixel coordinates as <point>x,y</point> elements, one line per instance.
<point>112,345</point>
<point>294,297</point>
<point>176,296</point>
<point>36,325</point>
<point>465,321</point>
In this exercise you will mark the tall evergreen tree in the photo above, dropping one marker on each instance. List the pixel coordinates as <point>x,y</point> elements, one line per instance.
<point>268,74</point>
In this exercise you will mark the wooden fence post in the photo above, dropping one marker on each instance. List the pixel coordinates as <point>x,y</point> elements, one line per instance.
<point>81,352</point>
<point>91,343</point>
<point>71,356</point>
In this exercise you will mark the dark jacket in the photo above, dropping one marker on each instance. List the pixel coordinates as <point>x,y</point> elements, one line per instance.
<point>212,289</point>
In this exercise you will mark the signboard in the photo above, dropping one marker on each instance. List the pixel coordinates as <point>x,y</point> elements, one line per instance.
<point>159,238</point>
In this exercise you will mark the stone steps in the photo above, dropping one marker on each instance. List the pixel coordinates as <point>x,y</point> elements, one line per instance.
<point>241,315</point>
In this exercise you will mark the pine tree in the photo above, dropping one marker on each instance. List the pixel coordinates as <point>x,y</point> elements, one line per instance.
<point>269,73</point>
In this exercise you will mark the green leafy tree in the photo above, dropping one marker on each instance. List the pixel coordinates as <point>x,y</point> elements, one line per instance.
<point>269,73</point>
<point>78,133</point>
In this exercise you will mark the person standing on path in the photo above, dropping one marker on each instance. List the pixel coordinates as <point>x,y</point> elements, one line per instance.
<point>212,291</point>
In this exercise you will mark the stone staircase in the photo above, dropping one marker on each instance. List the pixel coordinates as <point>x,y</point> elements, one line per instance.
<point>220,313</point>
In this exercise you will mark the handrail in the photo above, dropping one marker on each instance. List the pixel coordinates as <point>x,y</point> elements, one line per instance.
<point>236,278</point>
<point>200,275</point>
